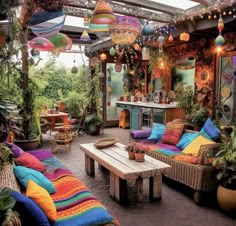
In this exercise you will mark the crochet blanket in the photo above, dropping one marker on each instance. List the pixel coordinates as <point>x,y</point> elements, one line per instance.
<point>76,205</point>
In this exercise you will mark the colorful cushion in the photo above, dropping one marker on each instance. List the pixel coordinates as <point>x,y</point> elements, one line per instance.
<point>210,129</point>
<point>173,132</point>
<point>42,198</point>
<point>30,161</point>
<point>17,151</point>
<point>186,139</point>
<point>157,132</point>
<point>42,154</point>
<point>25,174</point>
<point>186,158</point>
<point>30,212</point>
<point>142,133</point>
<point>194,147</point>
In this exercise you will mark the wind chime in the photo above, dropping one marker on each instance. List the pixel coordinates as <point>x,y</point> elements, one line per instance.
<point>220,41</point>
<point>74,69</point>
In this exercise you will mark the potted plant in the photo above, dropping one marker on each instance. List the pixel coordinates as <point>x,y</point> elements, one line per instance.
<point>139,152</point>
<point>198,116</point>
<point>93,124</point>
<point>7,215</point>
<point>225,166</point>
<point>130,149</point>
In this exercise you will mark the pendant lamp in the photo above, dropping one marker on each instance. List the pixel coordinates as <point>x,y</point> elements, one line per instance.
<point>103,14</point>
<point>184,36</point>
<point>220,41</point>
<point>85,36</point>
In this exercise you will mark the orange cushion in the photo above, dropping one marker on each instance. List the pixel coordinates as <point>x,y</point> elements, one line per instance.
<point>186,158</point>
<point>30,161</point>
<point>42,198</point>
<point>194,147</point>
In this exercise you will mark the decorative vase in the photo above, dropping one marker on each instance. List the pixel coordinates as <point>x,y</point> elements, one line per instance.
<point>131,155</point>
<point>139,157</point>
<point>226,199</point>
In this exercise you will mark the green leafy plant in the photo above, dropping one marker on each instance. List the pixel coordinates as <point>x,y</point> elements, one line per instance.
<point>7,215</point>
<point>92,122</point>
<point>198,115</point>
<point>225,162</point>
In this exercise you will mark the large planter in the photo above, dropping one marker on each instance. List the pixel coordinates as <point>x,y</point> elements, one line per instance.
<point>226,199</point>
<point>27,145</point>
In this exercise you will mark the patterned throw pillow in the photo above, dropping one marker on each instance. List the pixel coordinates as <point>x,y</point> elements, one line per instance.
<point>194,147</point>
<point>157,132</point>
<point>173,132</point>
<point>209,129</point>
<point>186,139</point>
<point>30,161</point>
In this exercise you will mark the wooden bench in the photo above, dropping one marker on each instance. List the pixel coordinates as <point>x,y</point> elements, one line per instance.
<point>115,159</point>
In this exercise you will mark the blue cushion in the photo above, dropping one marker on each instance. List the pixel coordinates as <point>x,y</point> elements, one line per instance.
<point>186,139</point>
<point>209,129</point>
<point>157,131</point>
<point>30,212</point>
<point>24,174</point>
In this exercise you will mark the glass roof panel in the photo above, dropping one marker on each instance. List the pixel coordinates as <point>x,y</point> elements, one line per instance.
<point>181,4</point>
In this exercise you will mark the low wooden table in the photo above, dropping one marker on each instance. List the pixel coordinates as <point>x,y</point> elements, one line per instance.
<point>115,159</point>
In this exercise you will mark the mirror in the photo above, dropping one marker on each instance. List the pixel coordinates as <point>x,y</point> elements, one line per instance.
<point>184,72</point>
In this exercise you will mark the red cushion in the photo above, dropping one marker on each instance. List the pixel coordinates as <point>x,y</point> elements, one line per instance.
<point>30,161</point>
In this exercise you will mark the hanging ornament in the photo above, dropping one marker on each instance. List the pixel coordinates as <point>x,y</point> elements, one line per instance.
<point>171,38</point>
<point>146,53</point>
<point>161,40</point>
<point>85,36</point>
<point>220,24</point>
<point>34,52</point>
<point>86,20</point>
<point>219,41</point>
<point>148,29</point>
<point>74,69</point>
<point>112,51</point>
<point>184,36</point>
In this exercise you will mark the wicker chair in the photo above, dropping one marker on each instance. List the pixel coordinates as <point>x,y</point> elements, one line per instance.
<point>199,177</point>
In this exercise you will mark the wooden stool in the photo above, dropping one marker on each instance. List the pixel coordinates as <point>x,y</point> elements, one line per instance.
<point>124,119</point>
<point>62,139</point>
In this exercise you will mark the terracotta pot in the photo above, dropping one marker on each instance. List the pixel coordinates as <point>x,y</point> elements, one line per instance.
<point>131,155</point>
<point>226,199</point>
<point>139,157</point>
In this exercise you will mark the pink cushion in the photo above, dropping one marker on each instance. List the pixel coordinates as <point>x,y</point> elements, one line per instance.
<point>30,161</point>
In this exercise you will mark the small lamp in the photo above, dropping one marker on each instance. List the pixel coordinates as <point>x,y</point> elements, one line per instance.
<point>103,56</point>
<point>184,36</point>
<point>85,36</point>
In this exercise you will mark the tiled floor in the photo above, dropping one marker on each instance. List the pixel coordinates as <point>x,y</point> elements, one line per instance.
<point>175,209</point>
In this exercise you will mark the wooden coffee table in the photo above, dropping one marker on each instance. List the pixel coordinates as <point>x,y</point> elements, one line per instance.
<point>115,159</point>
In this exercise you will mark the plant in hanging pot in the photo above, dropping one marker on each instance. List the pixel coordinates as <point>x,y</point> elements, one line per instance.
<point>225,167</point>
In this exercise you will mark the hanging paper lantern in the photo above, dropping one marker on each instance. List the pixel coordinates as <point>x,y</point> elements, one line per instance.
<point>146,53</point>
<point>148,29</point>
<point>112,51</point>
<point>42,44</point>
<point>171,38</point>
<point>220,24</point>
<point>51,5</point>
<point>103,14</point>
<point>61,42</point>
<point>219,41</point>
<point>99,27</point>
<point>74,70</point>
<point>125,30</point>
<point>184,36</point>
<point>46,24</point>
<point>136,46</point>
<point>85,36</point>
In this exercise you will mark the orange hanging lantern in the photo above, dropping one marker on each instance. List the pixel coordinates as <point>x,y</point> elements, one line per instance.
<point>103,56</point>
<point>184,36</point>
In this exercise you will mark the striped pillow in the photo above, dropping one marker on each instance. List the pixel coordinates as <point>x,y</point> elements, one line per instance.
<point>173,132</point>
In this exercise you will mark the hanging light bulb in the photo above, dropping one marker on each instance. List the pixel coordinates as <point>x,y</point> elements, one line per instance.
<point>103,56</point>
<point>74,69</point>
<point>184,36</point>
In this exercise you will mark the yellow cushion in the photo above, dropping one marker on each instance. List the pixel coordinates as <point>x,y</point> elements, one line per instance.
<point>42,198</point>
<point>194,147</point>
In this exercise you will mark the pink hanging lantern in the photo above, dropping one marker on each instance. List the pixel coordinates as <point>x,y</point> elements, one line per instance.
<point>42,44</point>
<point>125,30</point>
<point>220,24</point>
<point>171,38</point>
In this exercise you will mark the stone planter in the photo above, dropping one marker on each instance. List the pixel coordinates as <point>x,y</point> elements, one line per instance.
<point>27,145</point>
<point>226,199</point>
